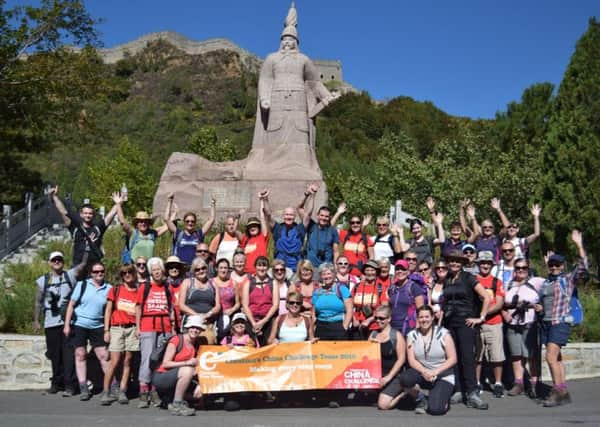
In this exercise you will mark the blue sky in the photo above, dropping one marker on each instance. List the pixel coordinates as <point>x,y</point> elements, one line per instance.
<point>469,57</point>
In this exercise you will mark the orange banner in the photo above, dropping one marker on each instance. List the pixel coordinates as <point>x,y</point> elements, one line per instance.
<point>292,366</point>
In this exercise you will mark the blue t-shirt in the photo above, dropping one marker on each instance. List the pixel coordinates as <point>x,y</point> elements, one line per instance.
<point>90,312</point>
<point>320,243</point>
<point>288,243</point>
<point>328,305</point>
<point>186,249</point>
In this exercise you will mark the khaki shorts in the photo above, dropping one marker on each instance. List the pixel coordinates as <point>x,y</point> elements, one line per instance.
<point>123,339</point>
<point>490,343</point>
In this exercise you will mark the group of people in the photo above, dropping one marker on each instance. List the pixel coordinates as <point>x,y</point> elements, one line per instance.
<point>439,323</point>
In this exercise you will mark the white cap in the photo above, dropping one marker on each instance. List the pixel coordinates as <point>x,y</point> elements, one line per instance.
<point>238,316</point>
<point>196,320</point>
<point>56,254</point>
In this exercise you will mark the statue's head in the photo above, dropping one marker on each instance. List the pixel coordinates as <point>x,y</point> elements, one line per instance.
<point>288,43</point>
<point>290,32</point>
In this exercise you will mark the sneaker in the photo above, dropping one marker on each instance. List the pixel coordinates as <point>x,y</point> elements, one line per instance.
<point>107,398</point>
<point>456,398</point>
<point>122,398</point>
<point>144,400</point>
<point>68,392</point>
<point>479,389</point>
<point>84,392</point>
<point>565,397</point>
<point>498,390</point>
<point>114,389</point>
<point>516,389</point>
<point>155,399</point>
<point>553,400</point>
<point>333,404</point>
<point>421,407</point>
<point>181,409</point>
<point>475,402</point>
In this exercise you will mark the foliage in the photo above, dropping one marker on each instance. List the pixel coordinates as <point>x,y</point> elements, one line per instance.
<point>129,165</point>
<point>572,150</point>
<point>589,330</point>
<point>205,143</point>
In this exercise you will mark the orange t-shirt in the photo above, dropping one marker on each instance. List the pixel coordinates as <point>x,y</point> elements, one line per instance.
<point>254,247</point>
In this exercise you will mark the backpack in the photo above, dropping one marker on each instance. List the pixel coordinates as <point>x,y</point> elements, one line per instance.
<point>575,308</point>
<point>130,243</point>
<point>426,242</point>
<point>287,241</point>
<point>252,279</point>
<point>63,308</point>
<point>147,286</point>
<point>393,337</point>
<point>364,240</point>
<point>389,241</point>
<point>158,354</point>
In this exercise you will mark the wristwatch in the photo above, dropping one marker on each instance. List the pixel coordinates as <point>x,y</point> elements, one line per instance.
<point>482,318</point>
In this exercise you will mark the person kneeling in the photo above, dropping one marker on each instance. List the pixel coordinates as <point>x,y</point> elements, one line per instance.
<point>431,356</point>
<point>174,376</point>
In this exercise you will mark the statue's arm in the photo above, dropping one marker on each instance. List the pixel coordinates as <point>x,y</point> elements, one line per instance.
<point>265,83</point>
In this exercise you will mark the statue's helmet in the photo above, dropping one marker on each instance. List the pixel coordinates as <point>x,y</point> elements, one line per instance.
<point>291,23</point>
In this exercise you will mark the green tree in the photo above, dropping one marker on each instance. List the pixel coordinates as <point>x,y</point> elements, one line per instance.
<point>205,142</point>
<point>572,150</point>
<point>128,165</point>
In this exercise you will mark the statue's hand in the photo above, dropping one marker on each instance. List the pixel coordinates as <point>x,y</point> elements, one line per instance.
<point>265,104</point>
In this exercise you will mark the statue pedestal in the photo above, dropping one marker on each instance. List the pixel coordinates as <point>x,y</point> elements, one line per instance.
<point>235,185</point>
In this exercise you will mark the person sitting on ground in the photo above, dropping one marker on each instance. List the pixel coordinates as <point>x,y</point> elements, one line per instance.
<point>198,295</point>
<point>239,335</point>
<point>510,230</point>
<point>393,356</point>
<point>224,244</point>
<point>86,308</point>
<point>555,297</point>
<point>185,240</point>
<point>431,357</point>
<point>292,326</point>
<point>490,338</point>
<point>423,245</point>
<point>51,298</point>
<point>366,297</point>
<point>119,332</point>
<point>154,318</point>
<point>520,307</point>
<point>174,377</point>
<point>256,240</point>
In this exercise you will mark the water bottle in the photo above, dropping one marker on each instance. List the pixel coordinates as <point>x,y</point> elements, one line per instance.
<point>124,192</point>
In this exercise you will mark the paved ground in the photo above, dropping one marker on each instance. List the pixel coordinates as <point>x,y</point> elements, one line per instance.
<point>35,409</point>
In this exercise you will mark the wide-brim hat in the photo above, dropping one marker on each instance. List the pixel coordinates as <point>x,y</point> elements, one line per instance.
<point>253,221</point>
<point>457,254</point>
<point>174,259</point>
<point>370,263</point>
<point>485,256</point>
<point>197,320</point>
<point>56,254</point>
<point>142,216</point>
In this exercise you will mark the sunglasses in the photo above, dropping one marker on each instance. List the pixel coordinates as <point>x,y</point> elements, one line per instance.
<point>469,252</point>
<point>200,269</point>
<point>423,270</point>
<point>521,268</point>
<point>382,225</point>
<point>553,264</point>
<point>381,318</point>
<point>97,271</point>
<point>294,303</point>
<point>140,264</point>
<point>201,251</point>
<point>190,221</point>
<point>342,263</point>
<point>411,259</point>
<point>513,226</point>
<point>126,273</point>
<point>57,260</point>
<point>441,268</point>
<point>355,222</point>
<point>279,270</point>
<point>507,251</point>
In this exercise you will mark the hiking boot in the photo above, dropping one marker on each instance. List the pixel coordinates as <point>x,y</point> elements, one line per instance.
<point>333,404</point>
<point>84,392</point>
<point>475,402</point>
<point>122,398</point>
<point>144,403</point>
<point>516,390</point>
<point>107,398</point>
<point>498,390</point>
<point>533,392</point>
<point>155,399</point>
<point>421,407</point>
<point>565,397</point>
<point>553,400</point>
<point>456,398</point>
<point>68,392</point>
<point>181,409</point>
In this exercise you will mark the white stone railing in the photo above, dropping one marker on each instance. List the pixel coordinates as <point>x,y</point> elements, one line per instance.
<point>23,364</point>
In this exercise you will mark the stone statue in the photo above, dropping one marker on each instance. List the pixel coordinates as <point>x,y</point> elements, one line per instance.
<point>290,95</point>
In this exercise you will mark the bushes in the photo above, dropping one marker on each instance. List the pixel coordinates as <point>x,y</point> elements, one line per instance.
<point>589,330</point>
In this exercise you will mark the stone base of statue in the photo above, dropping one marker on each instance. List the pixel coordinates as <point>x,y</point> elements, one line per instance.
<point>193,180</point>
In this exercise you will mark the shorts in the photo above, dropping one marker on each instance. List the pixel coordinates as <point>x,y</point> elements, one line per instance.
<point>393,388</point>
<point>522,340</point>
<point>123,339</point>
<point>556,334</point>
<point>80,337</point>
<point>489,343</point>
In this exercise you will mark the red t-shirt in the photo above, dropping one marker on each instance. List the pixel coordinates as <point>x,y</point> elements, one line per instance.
<point>366,294</point>
<point>355,250</point>
<point>155,312</point>
<point>123,311</point>
<point>486,282</point>
<point>187,352</point>
<point>254,247</point>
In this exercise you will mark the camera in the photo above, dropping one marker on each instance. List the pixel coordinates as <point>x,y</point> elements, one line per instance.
<point>321,254</point>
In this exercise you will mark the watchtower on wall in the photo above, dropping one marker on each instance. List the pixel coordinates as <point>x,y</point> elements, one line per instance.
<point>329,70</point>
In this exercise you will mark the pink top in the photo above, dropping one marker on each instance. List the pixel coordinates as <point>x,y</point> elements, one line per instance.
<point>260,299</point>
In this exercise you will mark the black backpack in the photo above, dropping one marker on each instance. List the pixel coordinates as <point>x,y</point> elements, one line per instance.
<point>157,355</point>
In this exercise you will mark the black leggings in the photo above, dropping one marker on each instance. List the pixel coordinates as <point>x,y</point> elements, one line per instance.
<point>464,370</point>
<point>439,390</point>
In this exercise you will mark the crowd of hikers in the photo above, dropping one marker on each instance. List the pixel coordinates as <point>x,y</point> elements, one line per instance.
<point>473,319</point>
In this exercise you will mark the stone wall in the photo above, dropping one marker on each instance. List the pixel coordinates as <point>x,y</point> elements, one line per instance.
<point>23,365</point>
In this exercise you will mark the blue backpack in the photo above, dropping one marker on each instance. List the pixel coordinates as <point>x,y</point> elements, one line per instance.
<point>288,242</point>
<point>130,243</point>
<point>576,309</point>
